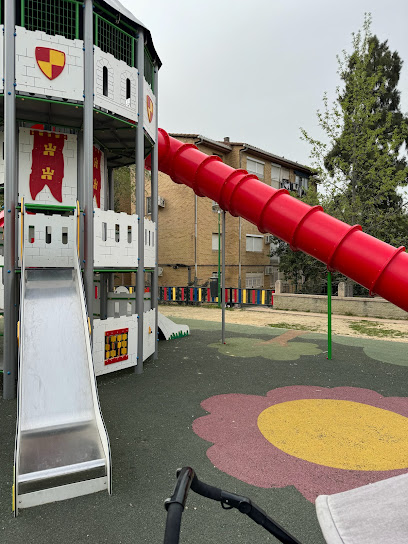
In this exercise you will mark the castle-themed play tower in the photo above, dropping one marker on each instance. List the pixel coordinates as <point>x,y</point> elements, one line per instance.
<point>80,84</point>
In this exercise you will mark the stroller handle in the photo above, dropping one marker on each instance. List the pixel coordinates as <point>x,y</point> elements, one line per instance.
<point>187,479</point>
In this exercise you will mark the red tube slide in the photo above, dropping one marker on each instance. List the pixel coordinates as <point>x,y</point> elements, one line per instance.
<point>381,268</point>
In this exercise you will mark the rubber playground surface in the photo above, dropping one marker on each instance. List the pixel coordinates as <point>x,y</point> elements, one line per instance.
<point>266,416</point>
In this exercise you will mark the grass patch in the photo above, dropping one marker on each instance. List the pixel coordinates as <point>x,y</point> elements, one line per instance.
<point>372,328</point>
<point>292,326</point>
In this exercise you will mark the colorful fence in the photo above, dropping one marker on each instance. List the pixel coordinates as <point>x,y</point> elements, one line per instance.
<point>197,295</point>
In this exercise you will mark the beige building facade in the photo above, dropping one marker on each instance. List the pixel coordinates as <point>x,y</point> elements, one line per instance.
<point>189,225</point>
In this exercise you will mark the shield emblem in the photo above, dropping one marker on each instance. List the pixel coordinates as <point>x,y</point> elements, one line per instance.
<point>149,106</point>
<point>50,61</point>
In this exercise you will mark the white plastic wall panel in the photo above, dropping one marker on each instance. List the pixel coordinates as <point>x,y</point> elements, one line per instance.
<point>111,324</point>
<point>149,111</point>
<point>150,244</point>
<point>149,339</point>
<point>1,58</point>
<point>69,84</point>
<point>111,250</point>
<point>69,182</point>
<point>114,99</point>
<point>57,250</point>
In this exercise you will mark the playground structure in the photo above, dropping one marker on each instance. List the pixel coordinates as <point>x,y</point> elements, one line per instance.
<point>79,84</point>
<point>80,101</point>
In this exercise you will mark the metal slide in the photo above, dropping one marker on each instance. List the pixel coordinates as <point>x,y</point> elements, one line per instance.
<point>62,447</point>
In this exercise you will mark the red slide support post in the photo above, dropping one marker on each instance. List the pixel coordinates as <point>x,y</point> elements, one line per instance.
<point>381,268</point>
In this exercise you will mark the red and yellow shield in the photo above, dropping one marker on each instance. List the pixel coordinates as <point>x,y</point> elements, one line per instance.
<point>50,61</point>
<point>149,106</point>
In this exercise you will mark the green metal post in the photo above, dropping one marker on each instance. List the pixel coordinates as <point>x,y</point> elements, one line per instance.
<point>96,29</point>
<point>329,314</point>
<point>77,21</point>
<point>133,52</point>
<point>22,13</point>
<point>219,261</point>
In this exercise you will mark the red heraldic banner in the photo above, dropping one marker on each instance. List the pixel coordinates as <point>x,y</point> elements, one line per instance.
<point>97,154</point>
<point>47,164</point>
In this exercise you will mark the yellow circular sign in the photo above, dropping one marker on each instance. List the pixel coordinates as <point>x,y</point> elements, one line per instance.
<point>338,433</point>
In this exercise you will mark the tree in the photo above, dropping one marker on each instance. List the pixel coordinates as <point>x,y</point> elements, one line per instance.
<point>124,189</point>
<point>362,164</point>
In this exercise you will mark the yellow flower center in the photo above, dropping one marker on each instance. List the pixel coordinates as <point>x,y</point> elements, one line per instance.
<point>338,433</point>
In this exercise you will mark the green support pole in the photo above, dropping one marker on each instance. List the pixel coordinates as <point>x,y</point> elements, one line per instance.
<point>96,29</point>
<point>329,314</point>
<point>219,261</point>
<point>77,21</point>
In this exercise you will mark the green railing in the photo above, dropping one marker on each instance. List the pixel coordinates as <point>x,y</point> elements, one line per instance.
<point>63,18</point>
<point>149,69</point>
<point>112,39</point>
<point>51,17</point>
<point>122,45</point>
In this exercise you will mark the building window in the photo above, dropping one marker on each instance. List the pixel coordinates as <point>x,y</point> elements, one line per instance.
<point>302,185</point>
<point>254,242</point>
<point>255,167</point>
<point>275,175</point>
<point>254,280</point>
<point>214,241</point>
<point>285,183</point>
<point>148,205</point>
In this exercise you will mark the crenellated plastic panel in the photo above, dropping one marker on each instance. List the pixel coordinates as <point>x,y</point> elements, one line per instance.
<point>116,89</point>
<point>150,244</point>
<point>115,239</point>
<point>31,78</point>
<point>49,240</point>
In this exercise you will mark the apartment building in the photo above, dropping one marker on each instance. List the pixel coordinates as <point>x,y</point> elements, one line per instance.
<point>189,225</point>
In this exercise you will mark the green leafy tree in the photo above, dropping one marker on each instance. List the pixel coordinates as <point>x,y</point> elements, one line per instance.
<point>362,163</point>
<point>362,167</point>
<point>124,189</point>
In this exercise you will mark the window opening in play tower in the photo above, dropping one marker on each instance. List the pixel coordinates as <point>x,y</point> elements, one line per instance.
<point>128,91</point>
<point>65,235</point>
<point>105,81</point>
<point>48,235</point>
<point>31,235</point>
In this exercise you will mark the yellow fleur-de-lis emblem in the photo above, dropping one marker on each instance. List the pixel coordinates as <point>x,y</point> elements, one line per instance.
<point>49,149</point>
<point>47,173</point>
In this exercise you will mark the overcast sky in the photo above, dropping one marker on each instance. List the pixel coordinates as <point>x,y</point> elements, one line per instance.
<point>256,70</point>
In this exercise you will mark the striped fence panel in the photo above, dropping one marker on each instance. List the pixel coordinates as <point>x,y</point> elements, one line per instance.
<point>202,295</point>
